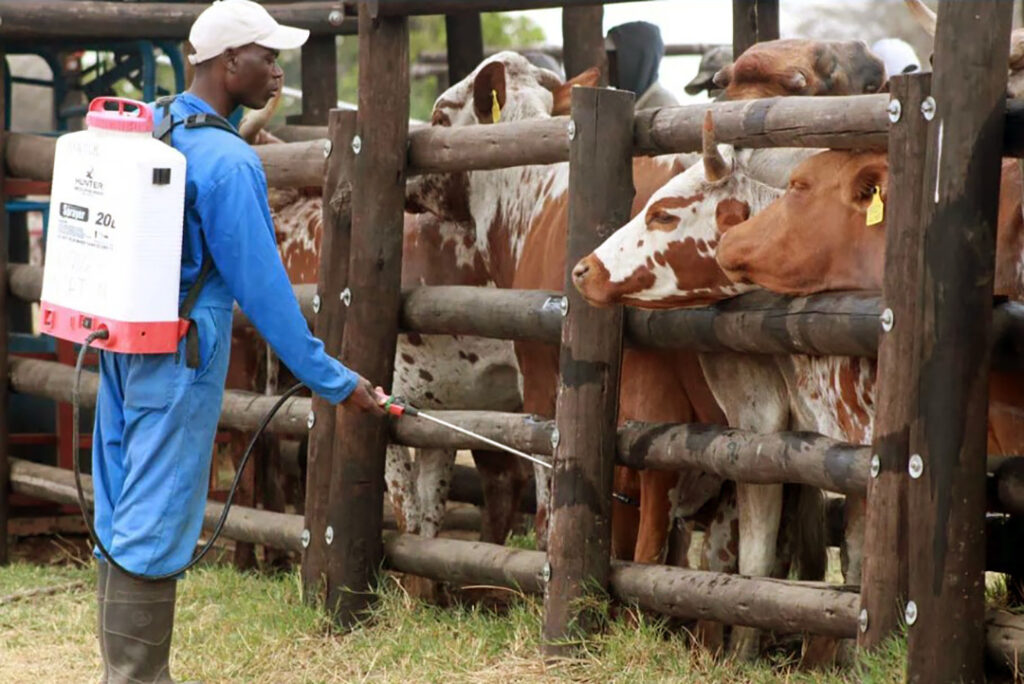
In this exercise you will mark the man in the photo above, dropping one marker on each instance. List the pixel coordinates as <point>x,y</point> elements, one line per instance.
<point>634,54</point>
<point>710,63</point>
<point>156,415</point>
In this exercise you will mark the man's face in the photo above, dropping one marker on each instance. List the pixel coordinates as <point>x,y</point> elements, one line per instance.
<point>253,76</point>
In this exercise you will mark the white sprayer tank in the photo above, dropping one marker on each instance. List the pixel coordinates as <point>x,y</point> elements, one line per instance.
<point>113,247</point>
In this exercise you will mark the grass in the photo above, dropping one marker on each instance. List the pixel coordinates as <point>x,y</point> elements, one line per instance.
<point>243,627</point>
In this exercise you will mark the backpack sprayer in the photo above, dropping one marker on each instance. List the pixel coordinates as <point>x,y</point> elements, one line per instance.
<point>113,264</point>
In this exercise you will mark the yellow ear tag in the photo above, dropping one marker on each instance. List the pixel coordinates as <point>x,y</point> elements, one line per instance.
<point>876,210</point>
<point>495,107</point>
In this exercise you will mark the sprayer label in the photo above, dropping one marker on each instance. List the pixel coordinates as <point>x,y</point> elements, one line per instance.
<point>73,211</point>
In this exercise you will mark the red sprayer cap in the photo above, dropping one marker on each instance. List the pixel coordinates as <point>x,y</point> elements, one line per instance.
<point>130,116</point>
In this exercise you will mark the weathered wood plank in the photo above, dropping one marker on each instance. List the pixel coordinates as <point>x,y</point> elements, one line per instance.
<point>319,67</point>
<point>55,19</point>
<point>328,325</point>
<point>753,21</point>
<point>371,326</point>
<point>464,39</point>
<point>600,196</point>
<point>946,504</point>
<point>884,580</point>
<point>583,40</point>
<point>289,165</point>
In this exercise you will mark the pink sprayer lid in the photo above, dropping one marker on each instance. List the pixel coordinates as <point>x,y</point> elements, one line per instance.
<point>130,115</point>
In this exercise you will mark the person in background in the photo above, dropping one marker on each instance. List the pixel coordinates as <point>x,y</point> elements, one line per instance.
<point>710,62</point>
<point>898,56</point>
<point>634,55</point>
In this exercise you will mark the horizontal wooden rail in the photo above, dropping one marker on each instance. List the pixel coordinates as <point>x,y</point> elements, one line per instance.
<point>287,165</point>
<point>837,122</point>
<point>840,324</point>
<point>41,20</point>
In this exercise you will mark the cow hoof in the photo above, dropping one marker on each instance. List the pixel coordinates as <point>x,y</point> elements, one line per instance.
<point>710,636</point>
<point>745,644</point>
<point>420,588</point>
<point>819,652</point>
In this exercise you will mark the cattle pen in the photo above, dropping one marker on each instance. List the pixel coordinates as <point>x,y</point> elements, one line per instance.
<point>934,329</point>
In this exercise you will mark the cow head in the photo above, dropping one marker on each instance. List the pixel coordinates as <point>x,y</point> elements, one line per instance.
<point>815,237</point>
<point>504,87</point>
<point>802,67</point>
<point>665,256</point>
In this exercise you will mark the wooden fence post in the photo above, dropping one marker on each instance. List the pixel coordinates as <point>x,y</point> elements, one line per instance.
<point>884,580</point>
<point>354,513</point>
<point>583,40</point>
<point>319,67</point>
<point>946,491</point>
<point>752,22</point>
<point>328,326</point>
<point>465,41</point>
<point>5,470</point>
<point>600,197</point>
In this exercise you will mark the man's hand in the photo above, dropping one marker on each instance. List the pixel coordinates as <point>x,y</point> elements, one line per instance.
<point>365,398</point>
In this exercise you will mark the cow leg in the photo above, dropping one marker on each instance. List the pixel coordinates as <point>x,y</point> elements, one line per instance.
<point>625,516</point>
<point>720,553</point>
<point>502,480</point>
<point>538,364</point>
<point>760,510</point>
<point>433,479</point>
<point>542,482</point>
<point>655,486</point>
<point>852,552</point>
<point>400,476</point>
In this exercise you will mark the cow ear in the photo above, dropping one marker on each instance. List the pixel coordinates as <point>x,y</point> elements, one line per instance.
<point>723,77</point>
<point>562,95</point>
<point>488,90</point>
<point>795,81</point>
<point>871,176</point>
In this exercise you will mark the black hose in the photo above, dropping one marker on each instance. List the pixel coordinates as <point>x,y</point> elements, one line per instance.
<point>103,334</point>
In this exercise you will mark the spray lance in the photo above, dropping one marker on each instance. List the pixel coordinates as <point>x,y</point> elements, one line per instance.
<point>397,406</point>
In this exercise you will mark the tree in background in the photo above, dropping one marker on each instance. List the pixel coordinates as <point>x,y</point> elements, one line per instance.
<point>426,34</point>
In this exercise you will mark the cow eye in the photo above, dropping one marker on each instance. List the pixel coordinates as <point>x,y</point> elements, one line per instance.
<point>796,185</point>
<point>663,217</point>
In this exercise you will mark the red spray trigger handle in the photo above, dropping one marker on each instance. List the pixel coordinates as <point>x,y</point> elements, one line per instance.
<point>397,406</point>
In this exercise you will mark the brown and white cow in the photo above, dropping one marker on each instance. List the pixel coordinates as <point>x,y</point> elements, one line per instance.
<point>825,206</point>
<point>521,216</point>
<point>431,371</point>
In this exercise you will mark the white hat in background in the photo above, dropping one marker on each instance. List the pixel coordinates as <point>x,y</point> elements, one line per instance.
<point>230,24</point>
<point>898,56</point>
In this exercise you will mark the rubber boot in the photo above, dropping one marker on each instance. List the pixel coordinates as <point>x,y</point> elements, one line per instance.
<point>138,620</point>
<point>101,591</point>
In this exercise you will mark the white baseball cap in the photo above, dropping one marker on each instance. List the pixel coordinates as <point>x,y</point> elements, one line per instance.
<point>899,57</point>
<point>230,24</point>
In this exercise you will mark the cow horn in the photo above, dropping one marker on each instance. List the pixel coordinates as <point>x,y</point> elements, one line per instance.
<point>715,166</point>
<point>548,79</point>
<point>923,14</point>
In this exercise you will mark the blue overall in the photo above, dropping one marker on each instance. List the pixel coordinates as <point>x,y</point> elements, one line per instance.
<point>155,417</point>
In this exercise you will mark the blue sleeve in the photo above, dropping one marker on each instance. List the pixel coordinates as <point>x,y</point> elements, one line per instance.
<point>239,233</point>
